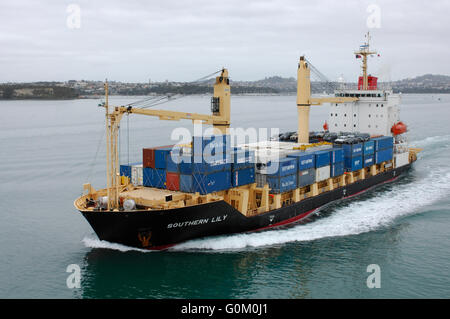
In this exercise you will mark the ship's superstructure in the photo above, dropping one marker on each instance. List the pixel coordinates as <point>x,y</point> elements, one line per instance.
<point>211,187</point>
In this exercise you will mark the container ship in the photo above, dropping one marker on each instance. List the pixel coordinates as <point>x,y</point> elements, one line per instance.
<point>213,187</point>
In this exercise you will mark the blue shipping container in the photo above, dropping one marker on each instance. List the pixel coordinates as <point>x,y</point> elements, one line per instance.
<point>211,144</point>
<point>353,163</point>
<point>305,160</point>
<point>369,147</point>
<point>322,158</point>
<point>306,177</point>
<point>337,155</point>
<point>282,184</point>
<point>242,159</point>
<point>351,150</point>
<point>185,165</point>
<point>337,169</point>
<point>284,166</point>
<point>161,157</point>
<point>208,164</point>
<point>153,177</point>
<point>179,163</point>
<point>383,142</point>
<point>369,160</point>
<point>186,183</point>
<point>172,161</point>
<point>125,170</point>
<point>243,176</point>
<point>213,182</point>
<point>383,155</point>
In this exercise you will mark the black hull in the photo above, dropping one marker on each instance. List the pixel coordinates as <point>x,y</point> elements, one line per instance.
<point>164,228</point>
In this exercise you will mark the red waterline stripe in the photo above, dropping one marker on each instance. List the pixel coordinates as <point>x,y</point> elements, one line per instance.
<point>365,190</point>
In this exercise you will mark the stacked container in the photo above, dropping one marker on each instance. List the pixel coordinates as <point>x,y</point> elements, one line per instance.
<point>337,165</point>
<point>368,153</point>
<point>154,177</point>
<point>384,149</point>
<point>242,167</point>
<point>322,163</point>
<point>305,167</point>
<point>134,172</point>
<point>211,164</point>
<point>353,156</point>
<point>285,177</point>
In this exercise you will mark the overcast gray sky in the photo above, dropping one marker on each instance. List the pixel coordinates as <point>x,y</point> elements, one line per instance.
<point>184,40</point>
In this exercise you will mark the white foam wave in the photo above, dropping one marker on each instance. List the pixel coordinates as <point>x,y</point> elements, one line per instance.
<point>356,218</point>
<point>94,242</point>
<point>431,140</point>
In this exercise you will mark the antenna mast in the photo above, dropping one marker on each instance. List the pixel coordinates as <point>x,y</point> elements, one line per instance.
<point>364,51</point>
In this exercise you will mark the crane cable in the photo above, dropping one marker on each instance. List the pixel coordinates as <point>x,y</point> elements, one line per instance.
<point>156,100</point>
<point>321,77</point>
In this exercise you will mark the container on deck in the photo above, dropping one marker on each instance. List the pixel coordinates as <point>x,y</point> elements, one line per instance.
<point>305,160</point>
<point>306,177</point>
<point>322,158</point>
<point>337,169</point>
<point>242,158</point>
<point>148,156</point>
<point>211,144</point>
<point>137,175</point>
<point>369,160</point>
<point>285,166</point>
<point>337,155</point>
<point>281,184</point>
<point>172,181</point>
<point>125,170</point>
<point>212,182</point>
<point>383,142</point>
<point>243,176</point>
<point>154,177</point>
<point>186,183</point>
<point>383,155</point>
<point>352,150</point>
<point>209,164</point>
<point>368,147</point>
<point>353,163</point>
<point>322,173</point>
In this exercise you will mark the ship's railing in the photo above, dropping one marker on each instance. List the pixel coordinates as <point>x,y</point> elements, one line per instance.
<point>383,86</point>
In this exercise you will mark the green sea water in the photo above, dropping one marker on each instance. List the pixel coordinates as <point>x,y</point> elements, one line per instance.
<point>50,148</point>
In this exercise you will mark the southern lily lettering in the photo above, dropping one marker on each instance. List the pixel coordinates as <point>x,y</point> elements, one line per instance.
<point>202,221</point>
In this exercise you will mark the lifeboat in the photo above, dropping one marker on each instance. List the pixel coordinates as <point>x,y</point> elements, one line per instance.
<point>398,128</point>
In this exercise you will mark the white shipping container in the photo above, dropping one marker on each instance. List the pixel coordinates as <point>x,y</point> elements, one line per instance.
<point>322,173</point>
<point>137,177</point>
<point>401,159</point>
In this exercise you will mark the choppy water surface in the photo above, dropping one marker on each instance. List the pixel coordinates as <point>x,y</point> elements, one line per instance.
<point>50,148</point>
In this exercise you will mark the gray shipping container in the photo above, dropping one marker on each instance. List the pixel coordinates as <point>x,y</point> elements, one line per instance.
<point>306,177</point>
<point>260,179</point>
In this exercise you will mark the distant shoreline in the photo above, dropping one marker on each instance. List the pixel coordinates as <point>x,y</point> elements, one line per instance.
<point>96,97</point>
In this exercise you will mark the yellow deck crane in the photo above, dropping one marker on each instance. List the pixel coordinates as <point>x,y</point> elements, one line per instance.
<point>304,99</point>
<point>220,119</point>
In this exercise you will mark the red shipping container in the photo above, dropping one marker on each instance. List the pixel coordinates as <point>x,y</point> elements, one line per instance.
<point>148,156</point>
<point>172,181</point>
